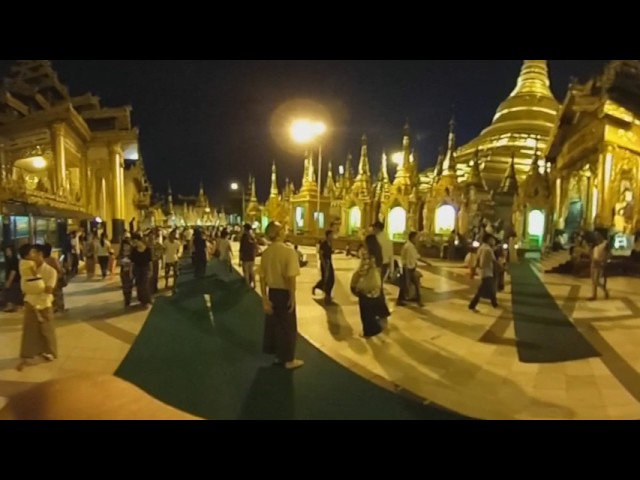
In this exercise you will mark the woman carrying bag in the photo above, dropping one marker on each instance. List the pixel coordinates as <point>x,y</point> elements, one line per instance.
<point>366,284</point>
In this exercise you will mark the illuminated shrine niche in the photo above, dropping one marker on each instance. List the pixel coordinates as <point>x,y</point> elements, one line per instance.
<point>535,227</point>
<point>315,219</point>
<point>397,224</point>
<point>445,221</point>
<point>300,218</point>
<point>355,218</point>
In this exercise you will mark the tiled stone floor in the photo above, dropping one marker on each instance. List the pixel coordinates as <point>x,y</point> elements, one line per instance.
<point>468,362</point>
<point>93,336</point>
<point>442,353</point>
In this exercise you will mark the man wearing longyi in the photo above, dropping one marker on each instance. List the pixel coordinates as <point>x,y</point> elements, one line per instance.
<point>278,271</point>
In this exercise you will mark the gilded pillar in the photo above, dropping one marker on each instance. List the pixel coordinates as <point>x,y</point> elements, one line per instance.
<point>3,166</point>
<point>117,191</point>
<point>588,219</point>
<point>605,174</point>
<point>57,133</point>
<point>559,204</point>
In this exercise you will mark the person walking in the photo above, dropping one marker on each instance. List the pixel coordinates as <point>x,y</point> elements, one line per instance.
<point>38,332</point>
<point>278,272</point>
<point>599,259</point>
<point>102,252</point>
<point>126,270</point>
<point>328,279</point>
<point>141,260</point>
<point>386,247</point>
<point>224,251</point>
<point>366,284</point>
<point>172,254</point>
<point>410,277</point>
<point>12,294</point>
<point>61,283</point>
<point>487,265</point>
<point>248,248</point>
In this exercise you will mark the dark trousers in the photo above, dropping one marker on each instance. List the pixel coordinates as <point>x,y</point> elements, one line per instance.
<point>409,277</point>
<point>327,281</point>
<point>126,278</point>
<point>487,289</point>
<point>370,315</point>
<point>281,328</point>
<point>155,274</point>
<point>75,262</point>
<point>171,270</point>
<point>103,261</point>
<point>143,290</point>
<point>199,267</point>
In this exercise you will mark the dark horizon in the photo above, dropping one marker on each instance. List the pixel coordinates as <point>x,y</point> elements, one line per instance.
<point>212,121</point>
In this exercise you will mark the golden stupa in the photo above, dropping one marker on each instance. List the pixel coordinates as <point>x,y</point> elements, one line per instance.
<point>526,118</point>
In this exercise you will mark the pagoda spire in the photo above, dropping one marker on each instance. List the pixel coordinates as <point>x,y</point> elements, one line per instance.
<point>449,161</point>
<point>439,162</point>
<point>363,166</point>
<point>330,185</point>
<point>384,170</point>
<point>475,177</point>
<point>170,198</point>
<point>535,163</point>
<point>510,181</point>
<point>533,79</point>
<point>274,181</point>
<point>348,170</point>
<point>252,182</point>
<point>305,173</point>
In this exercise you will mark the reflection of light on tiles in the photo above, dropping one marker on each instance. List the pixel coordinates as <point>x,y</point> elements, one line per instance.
<point>3,402</point>
<point>601,308</point>
<point>207,301</point>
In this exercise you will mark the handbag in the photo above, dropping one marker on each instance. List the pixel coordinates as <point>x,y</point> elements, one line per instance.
<point>369,284</point>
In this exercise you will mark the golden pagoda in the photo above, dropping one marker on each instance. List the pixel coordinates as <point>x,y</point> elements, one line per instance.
<point>527,116</point>
<point>66,162</point>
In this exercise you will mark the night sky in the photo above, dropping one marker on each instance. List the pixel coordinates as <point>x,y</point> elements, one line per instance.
<point>216,121</point>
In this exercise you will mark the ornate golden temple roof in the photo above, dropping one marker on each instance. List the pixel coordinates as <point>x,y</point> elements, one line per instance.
<point>530,113</point>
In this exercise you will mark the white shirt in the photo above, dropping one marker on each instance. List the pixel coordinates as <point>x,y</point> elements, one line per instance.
<point>34,291</point>
<point>224,247</point>
<point>172,251</point>
<point>279,262</point>
<point>387,247</point>
<point>103,251</point>
<point>410,256</point>
<point>486,260</point>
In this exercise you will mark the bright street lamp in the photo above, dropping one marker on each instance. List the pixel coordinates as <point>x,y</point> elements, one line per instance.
<point>305,132</point>
<point>234,187</point>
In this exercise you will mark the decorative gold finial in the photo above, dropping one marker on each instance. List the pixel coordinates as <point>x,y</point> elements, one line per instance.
<point>533,79</point>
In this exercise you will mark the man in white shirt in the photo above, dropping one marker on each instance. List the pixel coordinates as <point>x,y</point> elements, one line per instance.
<point>278,271</point>
<point>599,259</point>
<point>223,247</point>
<point>409,258</point>
<point>386,245</point>
<point>38,334</point>
<point>172,254</point>
<point>486,265</point>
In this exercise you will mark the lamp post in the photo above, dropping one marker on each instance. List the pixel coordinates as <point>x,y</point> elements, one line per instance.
<point>305,132</point>
<point>235,187</point>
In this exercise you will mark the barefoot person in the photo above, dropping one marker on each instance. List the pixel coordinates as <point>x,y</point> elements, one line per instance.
<point>487,264</point>
<point>38,334</point>
<point>599,258</point>
<point>278,271</point>
<point>327,280</point>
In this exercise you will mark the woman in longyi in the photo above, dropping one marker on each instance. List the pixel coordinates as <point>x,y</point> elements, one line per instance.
<point>366,284</point>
